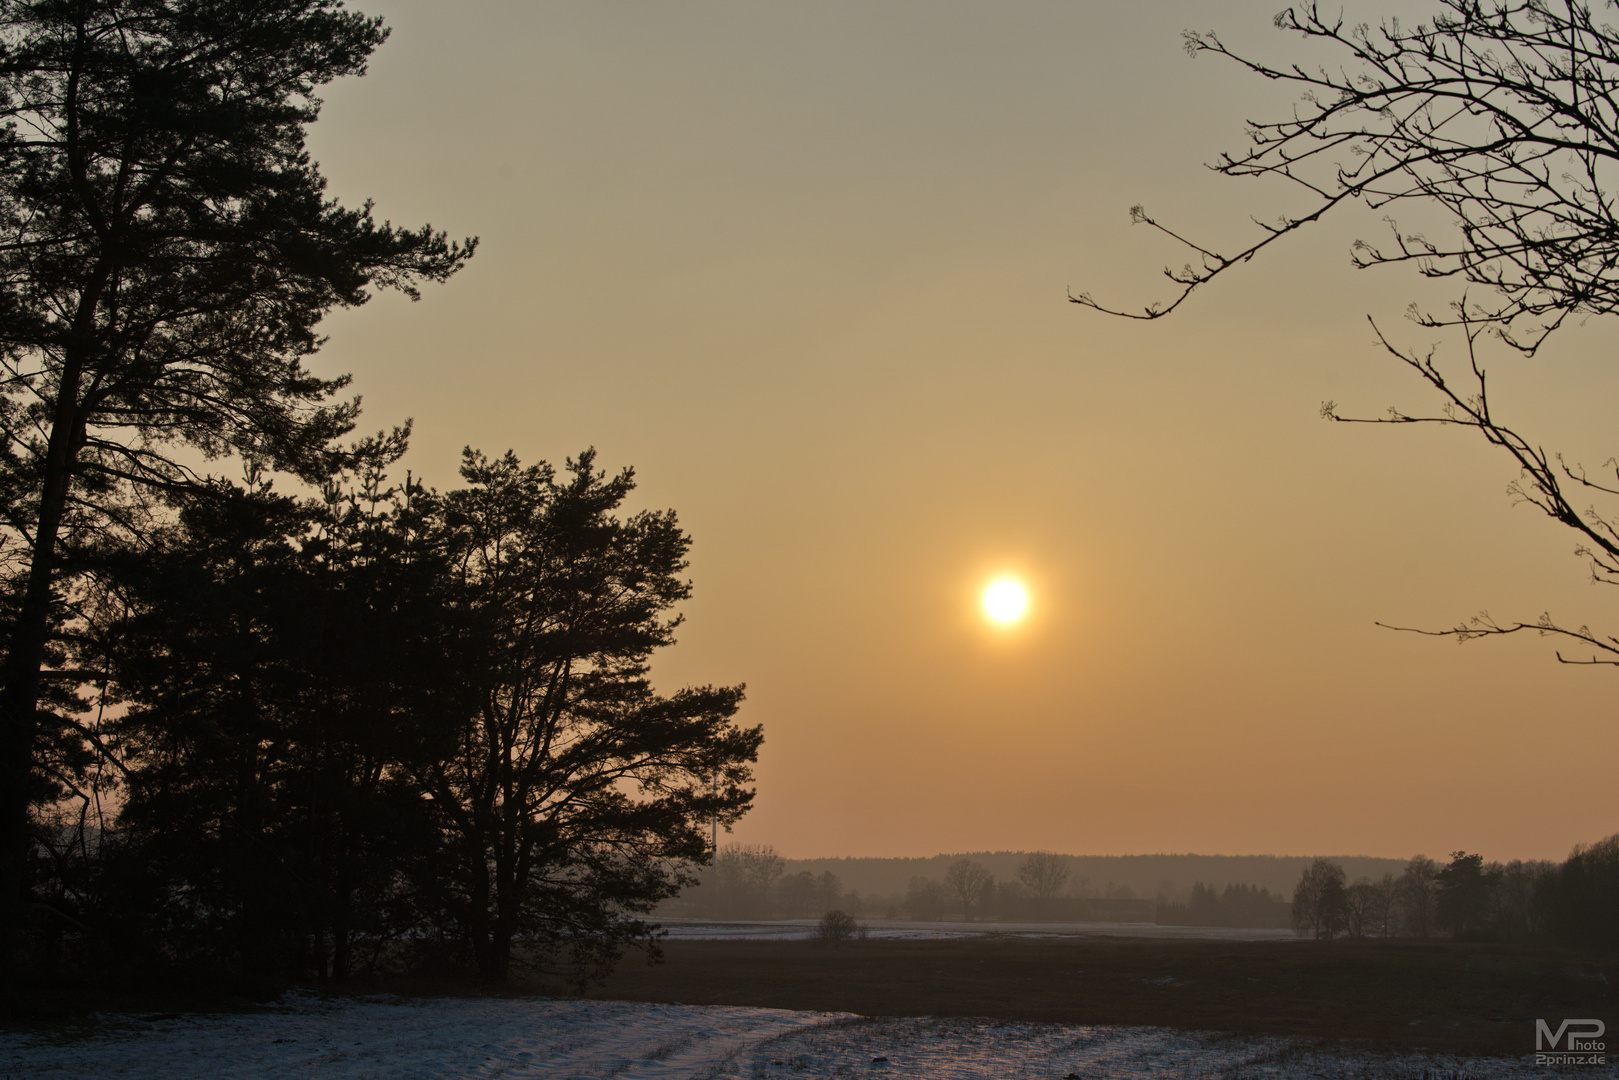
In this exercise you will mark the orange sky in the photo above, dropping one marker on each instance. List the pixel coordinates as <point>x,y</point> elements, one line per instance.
<point>804,267</point>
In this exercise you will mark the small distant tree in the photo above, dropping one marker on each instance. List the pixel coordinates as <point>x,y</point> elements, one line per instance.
<point>797,892</point>
<point>1418,893</point>
<point>742,881</point>
<point>1043,873</point>
<point>1362,905</point>
<point>1203,906</point>
<point>970,885</point>
<point>1010,900</point>
<point>1384,911</point>
<point>828,891</point>
<point>1248,905</point>
<point>1318,900</point>
<point>1516,913</point>
<point>1579,898</point>
<point>924,899</point>
<point>1466,893</point>
<point>837,927</point>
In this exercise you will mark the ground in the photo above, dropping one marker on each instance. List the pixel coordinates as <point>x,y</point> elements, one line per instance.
<point>980,1007</point>
<point>1460,998</point>
<point>528,1039</point>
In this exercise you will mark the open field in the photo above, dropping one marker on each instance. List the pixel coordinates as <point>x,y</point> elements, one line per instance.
<point>451,1038</point>
<point>1468,999</point>
<point>803,929</point>
<point>961,1008</point>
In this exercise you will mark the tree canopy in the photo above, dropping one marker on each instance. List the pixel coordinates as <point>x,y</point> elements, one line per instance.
<point>359,725</point>
<point>570,791</point>
<point>391,728</point>
<point>1502,115</point>
<point>168,250</point>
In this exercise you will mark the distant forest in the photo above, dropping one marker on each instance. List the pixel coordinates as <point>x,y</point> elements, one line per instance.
<point>1214,890</point>
<point>1573,902</point>
<point>1145,876</point>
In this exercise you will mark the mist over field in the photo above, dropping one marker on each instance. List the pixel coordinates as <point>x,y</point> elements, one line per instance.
<point>1101,875</point>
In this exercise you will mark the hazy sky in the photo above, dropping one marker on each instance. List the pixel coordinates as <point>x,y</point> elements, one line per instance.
<point>803,265</point>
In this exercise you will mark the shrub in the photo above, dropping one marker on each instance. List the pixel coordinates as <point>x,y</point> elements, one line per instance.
<point>837,927</point>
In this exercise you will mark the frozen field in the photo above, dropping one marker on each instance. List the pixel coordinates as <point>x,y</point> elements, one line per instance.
<point>799,929</point>
<point>373,1039</point>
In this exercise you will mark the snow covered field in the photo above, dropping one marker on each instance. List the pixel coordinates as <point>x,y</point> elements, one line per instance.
<point>800,929</point>
<point>373,1039</point>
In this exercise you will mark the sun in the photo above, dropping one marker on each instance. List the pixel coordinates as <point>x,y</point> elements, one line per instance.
<point>1005,600</point>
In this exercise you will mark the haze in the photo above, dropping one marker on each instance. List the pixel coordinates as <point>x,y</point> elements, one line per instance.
<point>805,268</point>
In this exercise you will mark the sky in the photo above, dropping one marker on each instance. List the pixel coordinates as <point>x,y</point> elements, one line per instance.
<point>805,267</point>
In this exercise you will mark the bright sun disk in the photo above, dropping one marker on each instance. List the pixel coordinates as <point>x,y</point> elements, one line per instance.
<point>1005,600</point>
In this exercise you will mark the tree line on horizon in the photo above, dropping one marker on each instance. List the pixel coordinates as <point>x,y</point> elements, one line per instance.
<point>1148,876</point>
<point>752,882</point>
<point>1575,902</point>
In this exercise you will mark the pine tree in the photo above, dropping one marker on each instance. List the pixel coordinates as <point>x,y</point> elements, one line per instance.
<point>571,793</point>
<point>168,252</point>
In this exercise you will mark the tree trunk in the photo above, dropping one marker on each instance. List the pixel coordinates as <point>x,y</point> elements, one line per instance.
<point>340,953</point>
<point>480,923</point>
<point>25,657</point>
<point>498,962</point>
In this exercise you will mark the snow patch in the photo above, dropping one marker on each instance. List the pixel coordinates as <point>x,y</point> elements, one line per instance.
<point>521,1038</point>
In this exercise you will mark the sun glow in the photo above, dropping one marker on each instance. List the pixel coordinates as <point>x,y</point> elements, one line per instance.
<point>1005,601</point>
